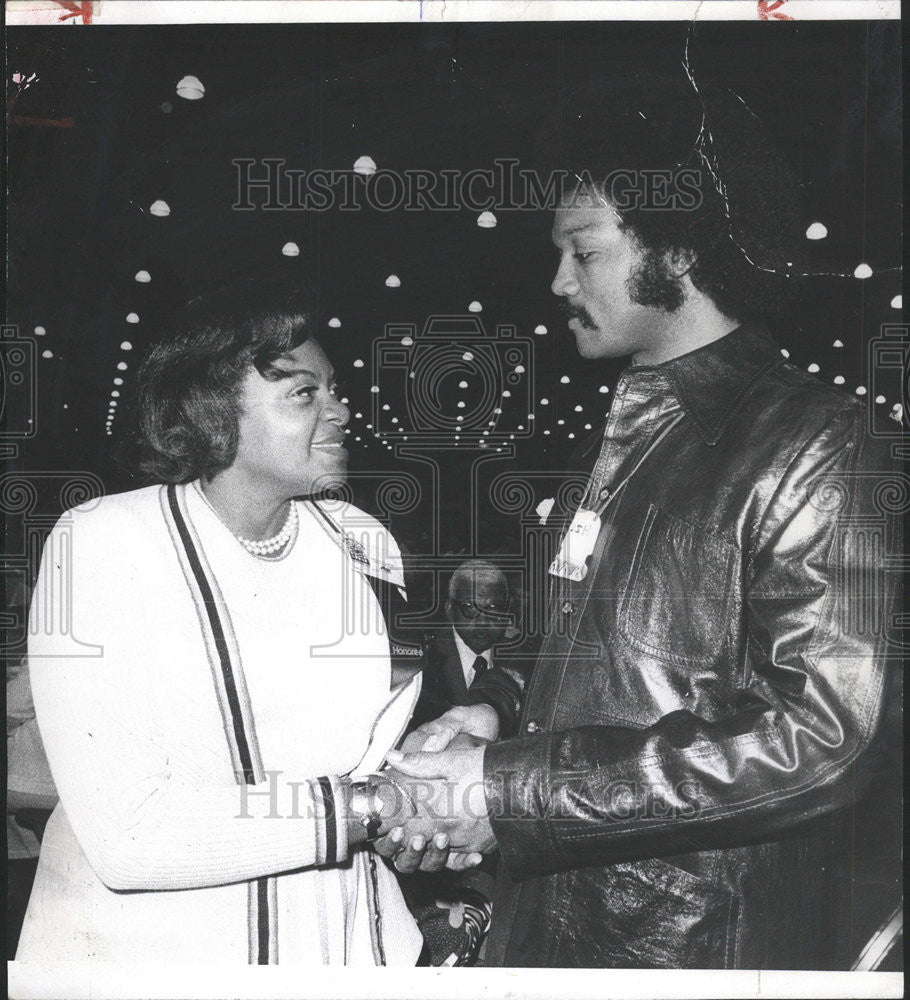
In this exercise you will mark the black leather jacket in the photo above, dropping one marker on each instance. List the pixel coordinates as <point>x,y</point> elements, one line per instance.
<point>707,696</point>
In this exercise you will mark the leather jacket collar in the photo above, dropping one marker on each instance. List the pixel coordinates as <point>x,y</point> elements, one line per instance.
<point>712,382</point>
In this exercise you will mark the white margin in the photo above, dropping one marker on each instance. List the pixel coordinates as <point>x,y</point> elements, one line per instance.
<point>20,12</point>
<point>102,980</point>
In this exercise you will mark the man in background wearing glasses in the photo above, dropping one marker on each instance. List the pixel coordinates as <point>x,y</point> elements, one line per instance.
<point>453,909</point>
<point>458,666</point>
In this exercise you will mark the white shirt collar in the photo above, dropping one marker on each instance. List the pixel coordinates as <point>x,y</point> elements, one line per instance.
<point>468,656</point>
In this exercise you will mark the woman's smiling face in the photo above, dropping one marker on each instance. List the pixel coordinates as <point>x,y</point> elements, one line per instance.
<point>291,425</point>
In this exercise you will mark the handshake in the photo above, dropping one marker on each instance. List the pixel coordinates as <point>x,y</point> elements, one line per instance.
<point>430,801</point>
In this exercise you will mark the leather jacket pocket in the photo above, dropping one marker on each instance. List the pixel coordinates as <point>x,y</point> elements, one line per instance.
<point>646,914</point>
<point>676,605</point>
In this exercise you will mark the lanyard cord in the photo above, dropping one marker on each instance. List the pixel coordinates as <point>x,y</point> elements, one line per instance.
<point>612,496</point>
<point>557,581</point>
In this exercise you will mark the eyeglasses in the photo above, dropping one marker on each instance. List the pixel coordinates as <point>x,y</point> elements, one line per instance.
<point>472,609</point>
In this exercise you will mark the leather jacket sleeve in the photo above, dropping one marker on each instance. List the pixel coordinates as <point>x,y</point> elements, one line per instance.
<point>500,687</point>
<point>787,746</point>
<point>503,689</point>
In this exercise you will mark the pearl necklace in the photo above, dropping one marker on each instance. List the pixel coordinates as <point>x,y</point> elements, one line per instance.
<point>267,547</point>
<point>273,545</point>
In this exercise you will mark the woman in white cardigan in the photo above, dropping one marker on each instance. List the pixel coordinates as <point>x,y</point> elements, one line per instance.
<point>208,660</point>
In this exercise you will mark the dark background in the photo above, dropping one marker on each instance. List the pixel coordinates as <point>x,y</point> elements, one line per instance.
<point>410,96</point>
<point>101,133</point>
<point>436,97</point>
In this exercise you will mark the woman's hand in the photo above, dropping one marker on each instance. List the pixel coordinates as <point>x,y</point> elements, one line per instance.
<point>478,721</point>
<point>394,807</point>
<point>424,848</point>
<point>417,852</point>
<point>410,838</point>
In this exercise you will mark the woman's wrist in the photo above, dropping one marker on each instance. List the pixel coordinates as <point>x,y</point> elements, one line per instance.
<point>397,804</point>
<point>373,806</point>
<point>356,811</point>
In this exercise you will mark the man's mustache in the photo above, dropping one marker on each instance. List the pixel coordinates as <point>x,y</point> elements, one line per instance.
<point>577,312</point>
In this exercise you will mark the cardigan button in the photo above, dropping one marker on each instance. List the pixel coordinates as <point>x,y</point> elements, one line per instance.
<point>533,727</point>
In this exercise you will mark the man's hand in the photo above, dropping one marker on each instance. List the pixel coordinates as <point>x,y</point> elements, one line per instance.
<point>411,853</point>
<point>411,837</point>
<point>447,788</point>
<point>451,828</point>
<point>479,721</point>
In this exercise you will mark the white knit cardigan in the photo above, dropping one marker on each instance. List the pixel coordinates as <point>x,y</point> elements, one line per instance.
<point>197,705</point>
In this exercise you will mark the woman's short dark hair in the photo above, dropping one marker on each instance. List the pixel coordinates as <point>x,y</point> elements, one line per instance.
<point>189,384</point>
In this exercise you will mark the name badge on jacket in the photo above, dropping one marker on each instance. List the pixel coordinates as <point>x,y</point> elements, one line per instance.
<point>578,543</point>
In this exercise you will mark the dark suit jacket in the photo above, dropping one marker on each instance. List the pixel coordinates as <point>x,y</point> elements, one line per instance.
<point>444,685</point>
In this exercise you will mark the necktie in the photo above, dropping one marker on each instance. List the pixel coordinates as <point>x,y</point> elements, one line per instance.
<point>480,665</point>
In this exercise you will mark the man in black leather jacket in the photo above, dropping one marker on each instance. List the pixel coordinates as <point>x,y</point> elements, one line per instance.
<point>708,699</point>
